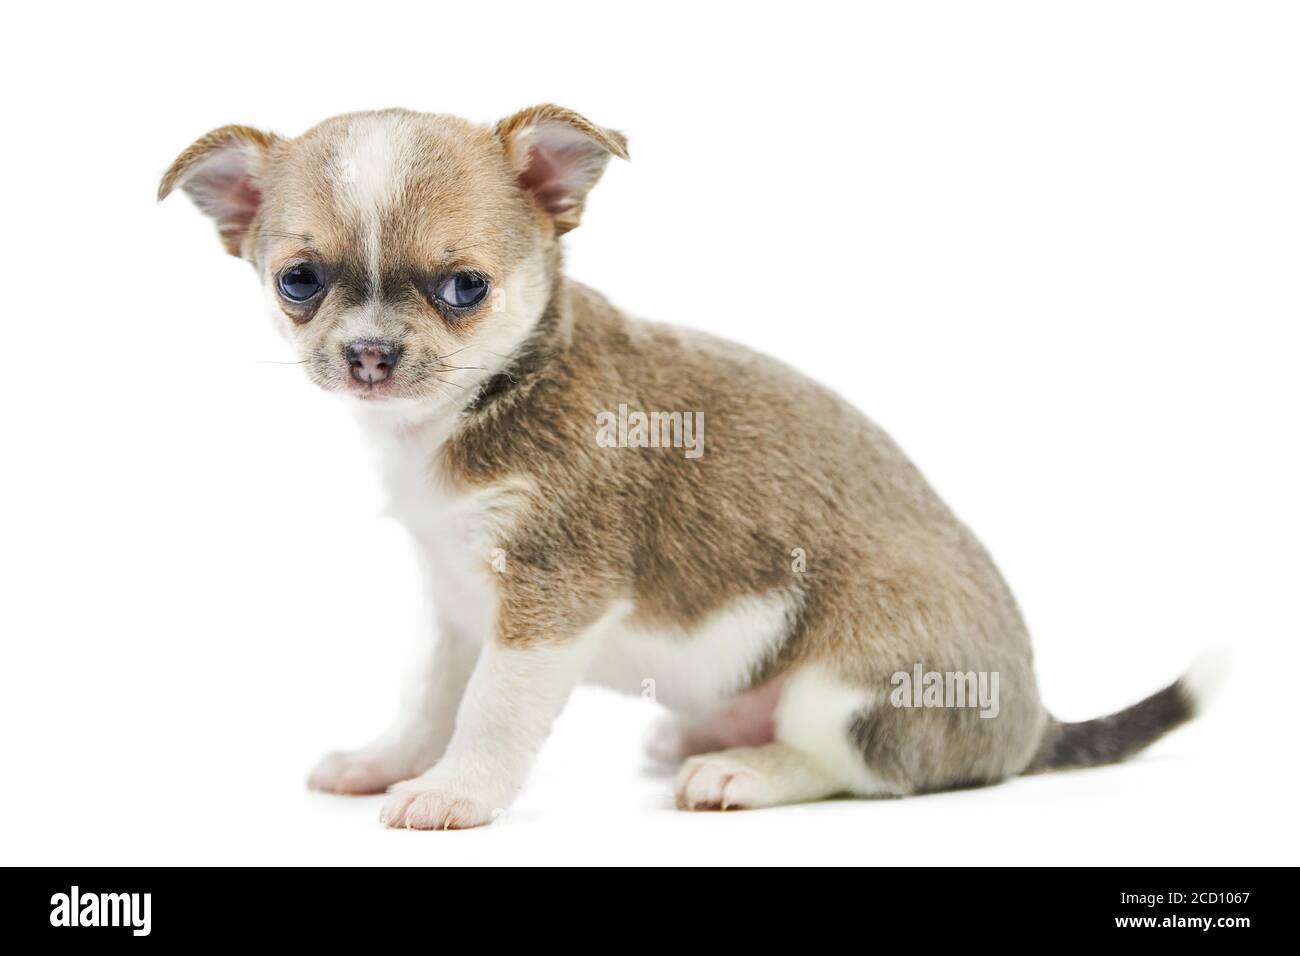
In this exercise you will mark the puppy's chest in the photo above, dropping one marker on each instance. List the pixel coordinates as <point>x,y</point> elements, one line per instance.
<point>458,531</point>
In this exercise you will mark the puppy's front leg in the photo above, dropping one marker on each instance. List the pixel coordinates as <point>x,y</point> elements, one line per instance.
<point>517,689</point>
<point>419,735</point>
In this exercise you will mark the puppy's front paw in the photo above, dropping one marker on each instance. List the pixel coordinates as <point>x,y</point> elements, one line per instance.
<point>420,805</point>
<point>358,772</point>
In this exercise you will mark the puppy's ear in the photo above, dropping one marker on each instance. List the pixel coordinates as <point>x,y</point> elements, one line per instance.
<point>222,173</point>
<point>557,156</point>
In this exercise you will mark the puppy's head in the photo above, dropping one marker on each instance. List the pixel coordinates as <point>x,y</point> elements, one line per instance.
<point>406,255</point>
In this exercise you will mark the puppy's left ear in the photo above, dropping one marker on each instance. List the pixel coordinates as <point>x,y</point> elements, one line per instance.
<point>557,157</point>
<point>222,172</point>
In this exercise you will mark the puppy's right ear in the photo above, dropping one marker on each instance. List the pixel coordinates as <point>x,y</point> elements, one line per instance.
<point>222,172</point>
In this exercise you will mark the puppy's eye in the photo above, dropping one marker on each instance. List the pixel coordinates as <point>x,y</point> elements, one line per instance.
<point>299,283</point>
<point>463,290</point>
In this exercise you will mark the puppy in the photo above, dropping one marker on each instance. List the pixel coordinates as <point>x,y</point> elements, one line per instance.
<point>791,589</point>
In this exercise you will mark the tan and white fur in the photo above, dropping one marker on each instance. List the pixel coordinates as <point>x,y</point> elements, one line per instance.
<point>552,559</point>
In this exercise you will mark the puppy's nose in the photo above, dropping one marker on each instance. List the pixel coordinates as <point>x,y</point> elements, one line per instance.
<point>371,360</point>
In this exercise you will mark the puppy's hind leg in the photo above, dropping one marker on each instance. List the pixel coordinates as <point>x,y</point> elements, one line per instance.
<point>812,757</point>
<point>671,738</point>
<point>751,777</point>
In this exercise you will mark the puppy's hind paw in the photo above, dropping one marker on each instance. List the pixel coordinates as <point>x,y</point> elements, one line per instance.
<point>715,782</point>
<point>751,777</point>
<point>665,741</point>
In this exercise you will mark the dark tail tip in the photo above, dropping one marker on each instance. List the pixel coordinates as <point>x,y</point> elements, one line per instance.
<point>1120,735</point>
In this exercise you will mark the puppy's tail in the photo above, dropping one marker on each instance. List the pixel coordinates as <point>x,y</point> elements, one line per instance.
<point>1120,735</point>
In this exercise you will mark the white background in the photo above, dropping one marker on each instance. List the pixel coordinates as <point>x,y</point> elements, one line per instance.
<point>1061,244</point>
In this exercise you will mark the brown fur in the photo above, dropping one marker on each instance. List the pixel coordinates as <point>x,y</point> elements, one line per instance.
<point>892,577</point>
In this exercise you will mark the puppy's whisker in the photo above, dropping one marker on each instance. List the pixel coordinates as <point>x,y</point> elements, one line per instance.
<point>504,358</point>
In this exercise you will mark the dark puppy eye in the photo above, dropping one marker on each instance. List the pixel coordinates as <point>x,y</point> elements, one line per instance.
<point>299,283</point>
<point>463,290</point>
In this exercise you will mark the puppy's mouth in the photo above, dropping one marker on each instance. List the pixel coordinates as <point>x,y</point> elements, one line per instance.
<point>371,391</point>
<point>403,376</point>
<point>367,388</point>
<point>400,389</point>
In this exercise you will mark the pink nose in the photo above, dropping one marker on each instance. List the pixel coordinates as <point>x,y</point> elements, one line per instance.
<point>372,362</point>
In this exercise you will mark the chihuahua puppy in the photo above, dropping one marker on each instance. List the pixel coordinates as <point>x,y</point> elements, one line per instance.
<point>814,617</point>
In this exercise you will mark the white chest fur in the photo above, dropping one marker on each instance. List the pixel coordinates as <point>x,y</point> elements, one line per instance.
<point>457,532</point>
